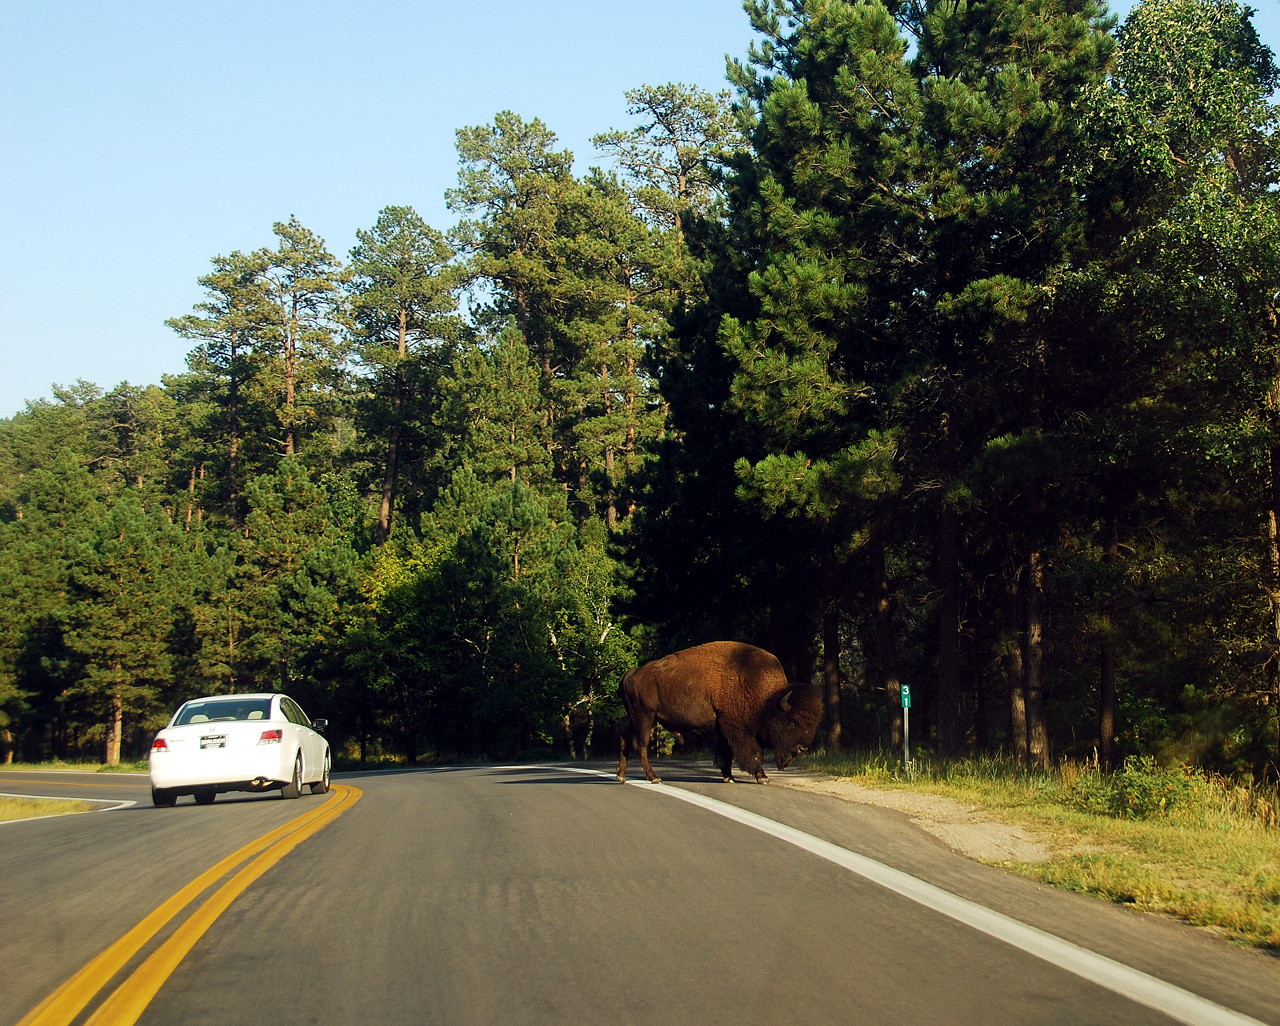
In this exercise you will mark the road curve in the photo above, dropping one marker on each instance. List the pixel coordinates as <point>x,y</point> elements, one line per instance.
<point>540,895</point>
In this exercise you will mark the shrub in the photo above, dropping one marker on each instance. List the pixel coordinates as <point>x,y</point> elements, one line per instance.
<point>1145,789</point>
<point>1141,788</point>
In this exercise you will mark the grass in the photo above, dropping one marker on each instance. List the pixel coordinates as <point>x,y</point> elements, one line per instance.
<point>1174,841</point>
<point>25,808</point>
<point>134,766</point>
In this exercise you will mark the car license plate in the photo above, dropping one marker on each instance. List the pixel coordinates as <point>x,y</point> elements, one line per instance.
<point>214,741</point>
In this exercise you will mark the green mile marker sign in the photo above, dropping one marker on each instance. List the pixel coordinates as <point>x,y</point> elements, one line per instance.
<point>906,696</point>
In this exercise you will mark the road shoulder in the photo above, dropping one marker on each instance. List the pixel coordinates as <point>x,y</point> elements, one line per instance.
<point>965,829</point>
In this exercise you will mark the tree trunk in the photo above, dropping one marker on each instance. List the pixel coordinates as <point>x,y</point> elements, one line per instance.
<point>114,730</point>
<point>831,677</point>
<point>290,372</point>
<point>393,441</point>
<point>1037,733</point>
<point>978,695</point>
<point>583,503</point>
<point>1016,674</point>
<point>522,309</point>
<point>389,478</point>
<point>611,511</point>
<point>6,742</point>
<point>1033,656</point>
<point>950,699</point>
<point>1107,660</point>
<point>886,636</point>
<point>233,449</point>
<point>1273,574</point>
<point>630,445</point>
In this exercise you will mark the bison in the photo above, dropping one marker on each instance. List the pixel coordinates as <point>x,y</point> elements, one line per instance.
<point>738,691</point>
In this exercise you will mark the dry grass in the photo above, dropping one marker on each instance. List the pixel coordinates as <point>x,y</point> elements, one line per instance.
<point>1201,848</point>
<point>126,766</point>
<point>26,808</point>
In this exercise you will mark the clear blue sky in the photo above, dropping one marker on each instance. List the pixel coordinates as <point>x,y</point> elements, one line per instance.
<point>140,139</point>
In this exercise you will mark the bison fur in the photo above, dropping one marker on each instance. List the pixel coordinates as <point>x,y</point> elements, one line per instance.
<point>737,691</point>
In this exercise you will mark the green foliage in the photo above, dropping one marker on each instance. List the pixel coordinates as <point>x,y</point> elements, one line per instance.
<point>674,158</point>
<point>1141,788</point>
<point>293,569</point>
<point>950,338</point>
<point>403,304</point>
<point>127,593</point>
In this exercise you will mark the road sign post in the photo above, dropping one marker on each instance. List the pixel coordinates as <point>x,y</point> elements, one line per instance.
<point>906,725</point>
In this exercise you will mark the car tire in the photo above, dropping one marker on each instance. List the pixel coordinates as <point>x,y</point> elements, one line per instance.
<point>163,798</point>
<point>205,796</point>
<point>322,785</point>
<point>293,789</point>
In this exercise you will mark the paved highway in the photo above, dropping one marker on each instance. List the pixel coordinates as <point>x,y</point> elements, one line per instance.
<point>530,895</point>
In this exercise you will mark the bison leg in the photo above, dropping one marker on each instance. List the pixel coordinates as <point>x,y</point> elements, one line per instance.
<point>631,737</point>
<point>724,757</point>
<point>639,727</point>
<point>624,738</point>
<point>642,742</point>
<point>747,751</point>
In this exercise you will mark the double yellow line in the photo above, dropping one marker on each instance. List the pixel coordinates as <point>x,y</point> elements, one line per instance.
<point>127,1002</point>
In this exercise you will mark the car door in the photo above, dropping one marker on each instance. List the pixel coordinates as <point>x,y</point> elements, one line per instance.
<point>315,748</point>
<point>309,742</point>
<point>293,731</point>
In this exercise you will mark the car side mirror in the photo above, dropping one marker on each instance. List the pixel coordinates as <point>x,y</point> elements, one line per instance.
<point>319,724</point>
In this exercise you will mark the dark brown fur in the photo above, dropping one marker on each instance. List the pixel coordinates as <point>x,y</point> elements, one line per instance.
<point>738,691</point>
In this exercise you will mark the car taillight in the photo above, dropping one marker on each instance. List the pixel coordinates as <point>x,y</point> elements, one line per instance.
<point>159,745</point>
<point>270,737</point>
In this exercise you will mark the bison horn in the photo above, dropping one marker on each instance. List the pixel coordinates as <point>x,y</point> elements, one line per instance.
<point>786,702</point>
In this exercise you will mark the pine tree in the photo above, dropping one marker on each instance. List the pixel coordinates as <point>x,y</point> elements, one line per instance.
<point>302,313</point>
<point>613,408</point>
<point>910,213</point>
<point>228,325</point>
<point>493,412</point>
<point>1177,306</point>
<point>126,597</point>
<point>403,305</point>
<point>509,191</point>
<point>52,507</point>
<point>294,565</point>
<point>674,156</point>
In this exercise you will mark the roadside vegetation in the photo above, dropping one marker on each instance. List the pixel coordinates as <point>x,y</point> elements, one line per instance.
<point>27,808</point>
<point>1168,840</point>
<point>82,765</point>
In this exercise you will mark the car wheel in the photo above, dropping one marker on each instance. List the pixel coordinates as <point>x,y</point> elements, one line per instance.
<point>163,798</point>
<point>206,796</point>
<point>322,785</point>
<point>293,789</point>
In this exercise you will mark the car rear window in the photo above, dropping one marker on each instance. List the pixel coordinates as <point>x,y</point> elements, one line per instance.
<point>224,709</point>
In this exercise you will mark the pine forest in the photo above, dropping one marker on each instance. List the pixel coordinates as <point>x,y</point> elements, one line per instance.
<point>941,349</point>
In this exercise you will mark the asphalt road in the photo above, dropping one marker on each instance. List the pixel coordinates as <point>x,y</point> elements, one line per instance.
<point>545,895</point>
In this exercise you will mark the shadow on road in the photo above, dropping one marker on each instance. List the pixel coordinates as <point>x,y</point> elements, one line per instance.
<point>552,774</point>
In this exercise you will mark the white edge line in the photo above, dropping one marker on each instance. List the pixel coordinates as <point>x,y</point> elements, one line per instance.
<point>1175,1002</point>
<point>115,806</point>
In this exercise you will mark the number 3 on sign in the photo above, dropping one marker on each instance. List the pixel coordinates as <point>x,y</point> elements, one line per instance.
<point>906,696</point>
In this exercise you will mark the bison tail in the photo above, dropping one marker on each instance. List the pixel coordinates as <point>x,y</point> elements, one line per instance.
<point>624,692</point>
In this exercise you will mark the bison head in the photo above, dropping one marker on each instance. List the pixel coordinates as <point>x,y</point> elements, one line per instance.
<point>790,721</point>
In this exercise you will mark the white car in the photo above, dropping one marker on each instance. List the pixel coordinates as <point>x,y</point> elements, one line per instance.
<point>238,743</point>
